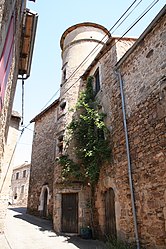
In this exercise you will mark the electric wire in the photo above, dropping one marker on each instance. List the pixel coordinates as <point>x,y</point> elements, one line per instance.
<point>100,41</point>
<point>130,27</point>
<point>50,99</point>
<point>11,158</point>
<point>150,6</point>
<point>26,127</point>
<point>82,63</point>
<point>126,17</point>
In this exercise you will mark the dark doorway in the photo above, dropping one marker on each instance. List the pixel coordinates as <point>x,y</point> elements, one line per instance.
<point>110,219</point>
<point>70,213</point>
<point>45,203</point>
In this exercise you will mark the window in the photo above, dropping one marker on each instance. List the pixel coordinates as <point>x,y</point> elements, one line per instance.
<point>24,173</point>
<point>62,108</point>
<point>17,175</point>
<point>97,81</point>
<point>64,74</point>
<point>22,189</point>
<point>63,105</point>
<point>15,193</point>
<point>60,144</point>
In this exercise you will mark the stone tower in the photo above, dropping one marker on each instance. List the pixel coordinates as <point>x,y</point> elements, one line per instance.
<point>80,44</point>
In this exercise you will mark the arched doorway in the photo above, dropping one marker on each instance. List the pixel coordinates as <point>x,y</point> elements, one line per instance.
<point>44,201</point>
<point>45,198</point>
<point>110,218</point>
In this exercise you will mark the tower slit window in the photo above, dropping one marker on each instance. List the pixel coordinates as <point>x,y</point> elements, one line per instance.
<point>97,81</point>
<point>60,144</point>
<point>64,74</point>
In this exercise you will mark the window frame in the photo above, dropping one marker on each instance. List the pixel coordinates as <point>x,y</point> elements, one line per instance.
<point>17,175</point>
<point>24,173</point>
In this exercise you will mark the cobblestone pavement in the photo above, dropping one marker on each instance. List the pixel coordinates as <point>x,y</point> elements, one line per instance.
<point>23,231</point>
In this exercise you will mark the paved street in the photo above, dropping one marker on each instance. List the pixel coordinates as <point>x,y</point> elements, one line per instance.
<point>23,231</point>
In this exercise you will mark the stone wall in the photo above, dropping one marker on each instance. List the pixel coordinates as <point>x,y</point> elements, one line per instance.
<point>144,77</point>
<point>7,9</point>
<point>143,72</point>
<point>113,175</point>
<point>42,161</point>
<point>7,166</point>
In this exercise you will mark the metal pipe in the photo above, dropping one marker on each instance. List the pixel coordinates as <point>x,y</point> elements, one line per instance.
<point>128,160</point>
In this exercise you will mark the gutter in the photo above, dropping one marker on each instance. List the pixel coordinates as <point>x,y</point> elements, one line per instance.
<point>129,160</point>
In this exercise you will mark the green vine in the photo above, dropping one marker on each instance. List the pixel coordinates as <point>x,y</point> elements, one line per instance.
<point>88,131</point>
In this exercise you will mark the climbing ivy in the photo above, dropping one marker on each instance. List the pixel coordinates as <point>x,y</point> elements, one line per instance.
<point>91,148</point>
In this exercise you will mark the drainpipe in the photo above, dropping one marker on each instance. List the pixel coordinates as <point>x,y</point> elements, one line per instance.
<point>128,159</point>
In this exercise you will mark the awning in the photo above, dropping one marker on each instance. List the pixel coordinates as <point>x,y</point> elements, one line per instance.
<point>27,43</point>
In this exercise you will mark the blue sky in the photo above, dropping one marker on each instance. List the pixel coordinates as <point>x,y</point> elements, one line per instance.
<point>54,18</point>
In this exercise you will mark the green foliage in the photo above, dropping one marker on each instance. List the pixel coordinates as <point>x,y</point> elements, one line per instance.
<point>87,129</point>
<point>70,169</point>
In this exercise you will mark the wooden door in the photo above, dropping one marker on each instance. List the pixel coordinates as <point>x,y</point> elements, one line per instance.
<point>70,213</point>
<point>110,219</point>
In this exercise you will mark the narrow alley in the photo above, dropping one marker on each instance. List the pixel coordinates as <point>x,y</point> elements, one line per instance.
<point>24,231</point>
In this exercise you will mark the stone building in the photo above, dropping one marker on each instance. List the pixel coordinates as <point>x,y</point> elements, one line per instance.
<point>40,200</point>
<point>133,94</point>
<point>129,83</point>
<point>20,185</point>
<point>71,199</point>
<point>17,34</point>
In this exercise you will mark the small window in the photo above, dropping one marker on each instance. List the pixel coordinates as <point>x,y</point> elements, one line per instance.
<point>64,74</point>
<point>17,175</point>
<point>22,189</point>
<point>97,81</point>
<point>63,104</point>
<point>24,173</point>
<point>60,144</point>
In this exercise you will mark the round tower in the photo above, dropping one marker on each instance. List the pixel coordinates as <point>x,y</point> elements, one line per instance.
<point>79,44</point>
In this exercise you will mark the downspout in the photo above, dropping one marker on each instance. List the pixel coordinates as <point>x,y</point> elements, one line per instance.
<point>129,160</point>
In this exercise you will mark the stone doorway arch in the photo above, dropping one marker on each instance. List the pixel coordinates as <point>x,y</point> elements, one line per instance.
<point>44,201</point>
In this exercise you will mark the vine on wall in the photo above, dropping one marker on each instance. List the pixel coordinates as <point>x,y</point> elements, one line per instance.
<point>88,132</point>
